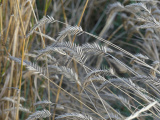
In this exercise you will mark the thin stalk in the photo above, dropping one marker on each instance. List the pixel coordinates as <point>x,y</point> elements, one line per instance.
<point>1,31</point>
<point>23,46</point>
<point>75,64</point>
<point>46,8</point>
<point>15,38</point>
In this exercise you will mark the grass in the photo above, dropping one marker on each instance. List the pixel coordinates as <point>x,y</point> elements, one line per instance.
<point>82,59</point>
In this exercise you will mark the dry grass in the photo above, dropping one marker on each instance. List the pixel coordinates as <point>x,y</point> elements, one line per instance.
<point>105,67</point>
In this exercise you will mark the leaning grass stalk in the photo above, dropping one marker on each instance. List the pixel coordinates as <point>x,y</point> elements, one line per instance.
<point>1,23</point>
<point>27,23</point>
<point>135,115</point>
<point>81,18</point>
<point>46,8</point>
<point>32,95</point>
<point>10,20</point>
<point>65,18</point>
<point>5,12</point>
<point>29,13</point>
<point>115,32</point>
<point>102,101</point>
<point>1,31</point>
<point>57,96</point>
<point>58,92</point>
<point>15,39</point>
<point>43,43</point>
<point>75,64</point>
<point>64,14</point>
<point>20,81</point>
<point>48,87</point>
<point>5,40</point>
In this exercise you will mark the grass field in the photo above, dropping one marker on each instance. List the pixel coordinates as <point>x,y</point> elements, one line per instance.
<point>82,59</point>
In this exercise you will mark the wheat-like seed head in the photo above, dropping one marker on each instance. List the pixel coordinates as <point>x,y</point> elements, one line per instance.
<point>20,108</point>
<point>39,114</point>
<point>96,49</point>
<point>69,30</point>
<point>75,116</point>
<point>44,20</point>
<point>44,102</point>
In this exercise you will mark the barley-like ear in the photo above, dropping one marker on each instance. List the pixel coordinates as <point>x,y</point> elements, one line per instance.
<point>149,32</point>
<point>132,86</point>
<point>137,7</point>
<point>21,98</point>
<point>39,114</point>
<point>58,106</point>
<point>95,73</point>
<point>149,25</point>
<point>67,72</point>
<point>30,66</point>
<point>98,72</point>
<point>69,30</point>
<point>75,50</point>
<point>74,116</point>
<point>52,58</point>
<point>8,99</point>
<point>20,108</point>
<point>147,79</point>
<point>93,79</point>
<point>113,97</point>
<point>40,23</point>
<point>124,82</point>
<point>70,74</point>
<point>49,50</point>
<point>115,81</point>
<point>19,60</point>
<point>44,102</point>
<point>137,114</point>
<point>96,48</point>
<point>36,69</point>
